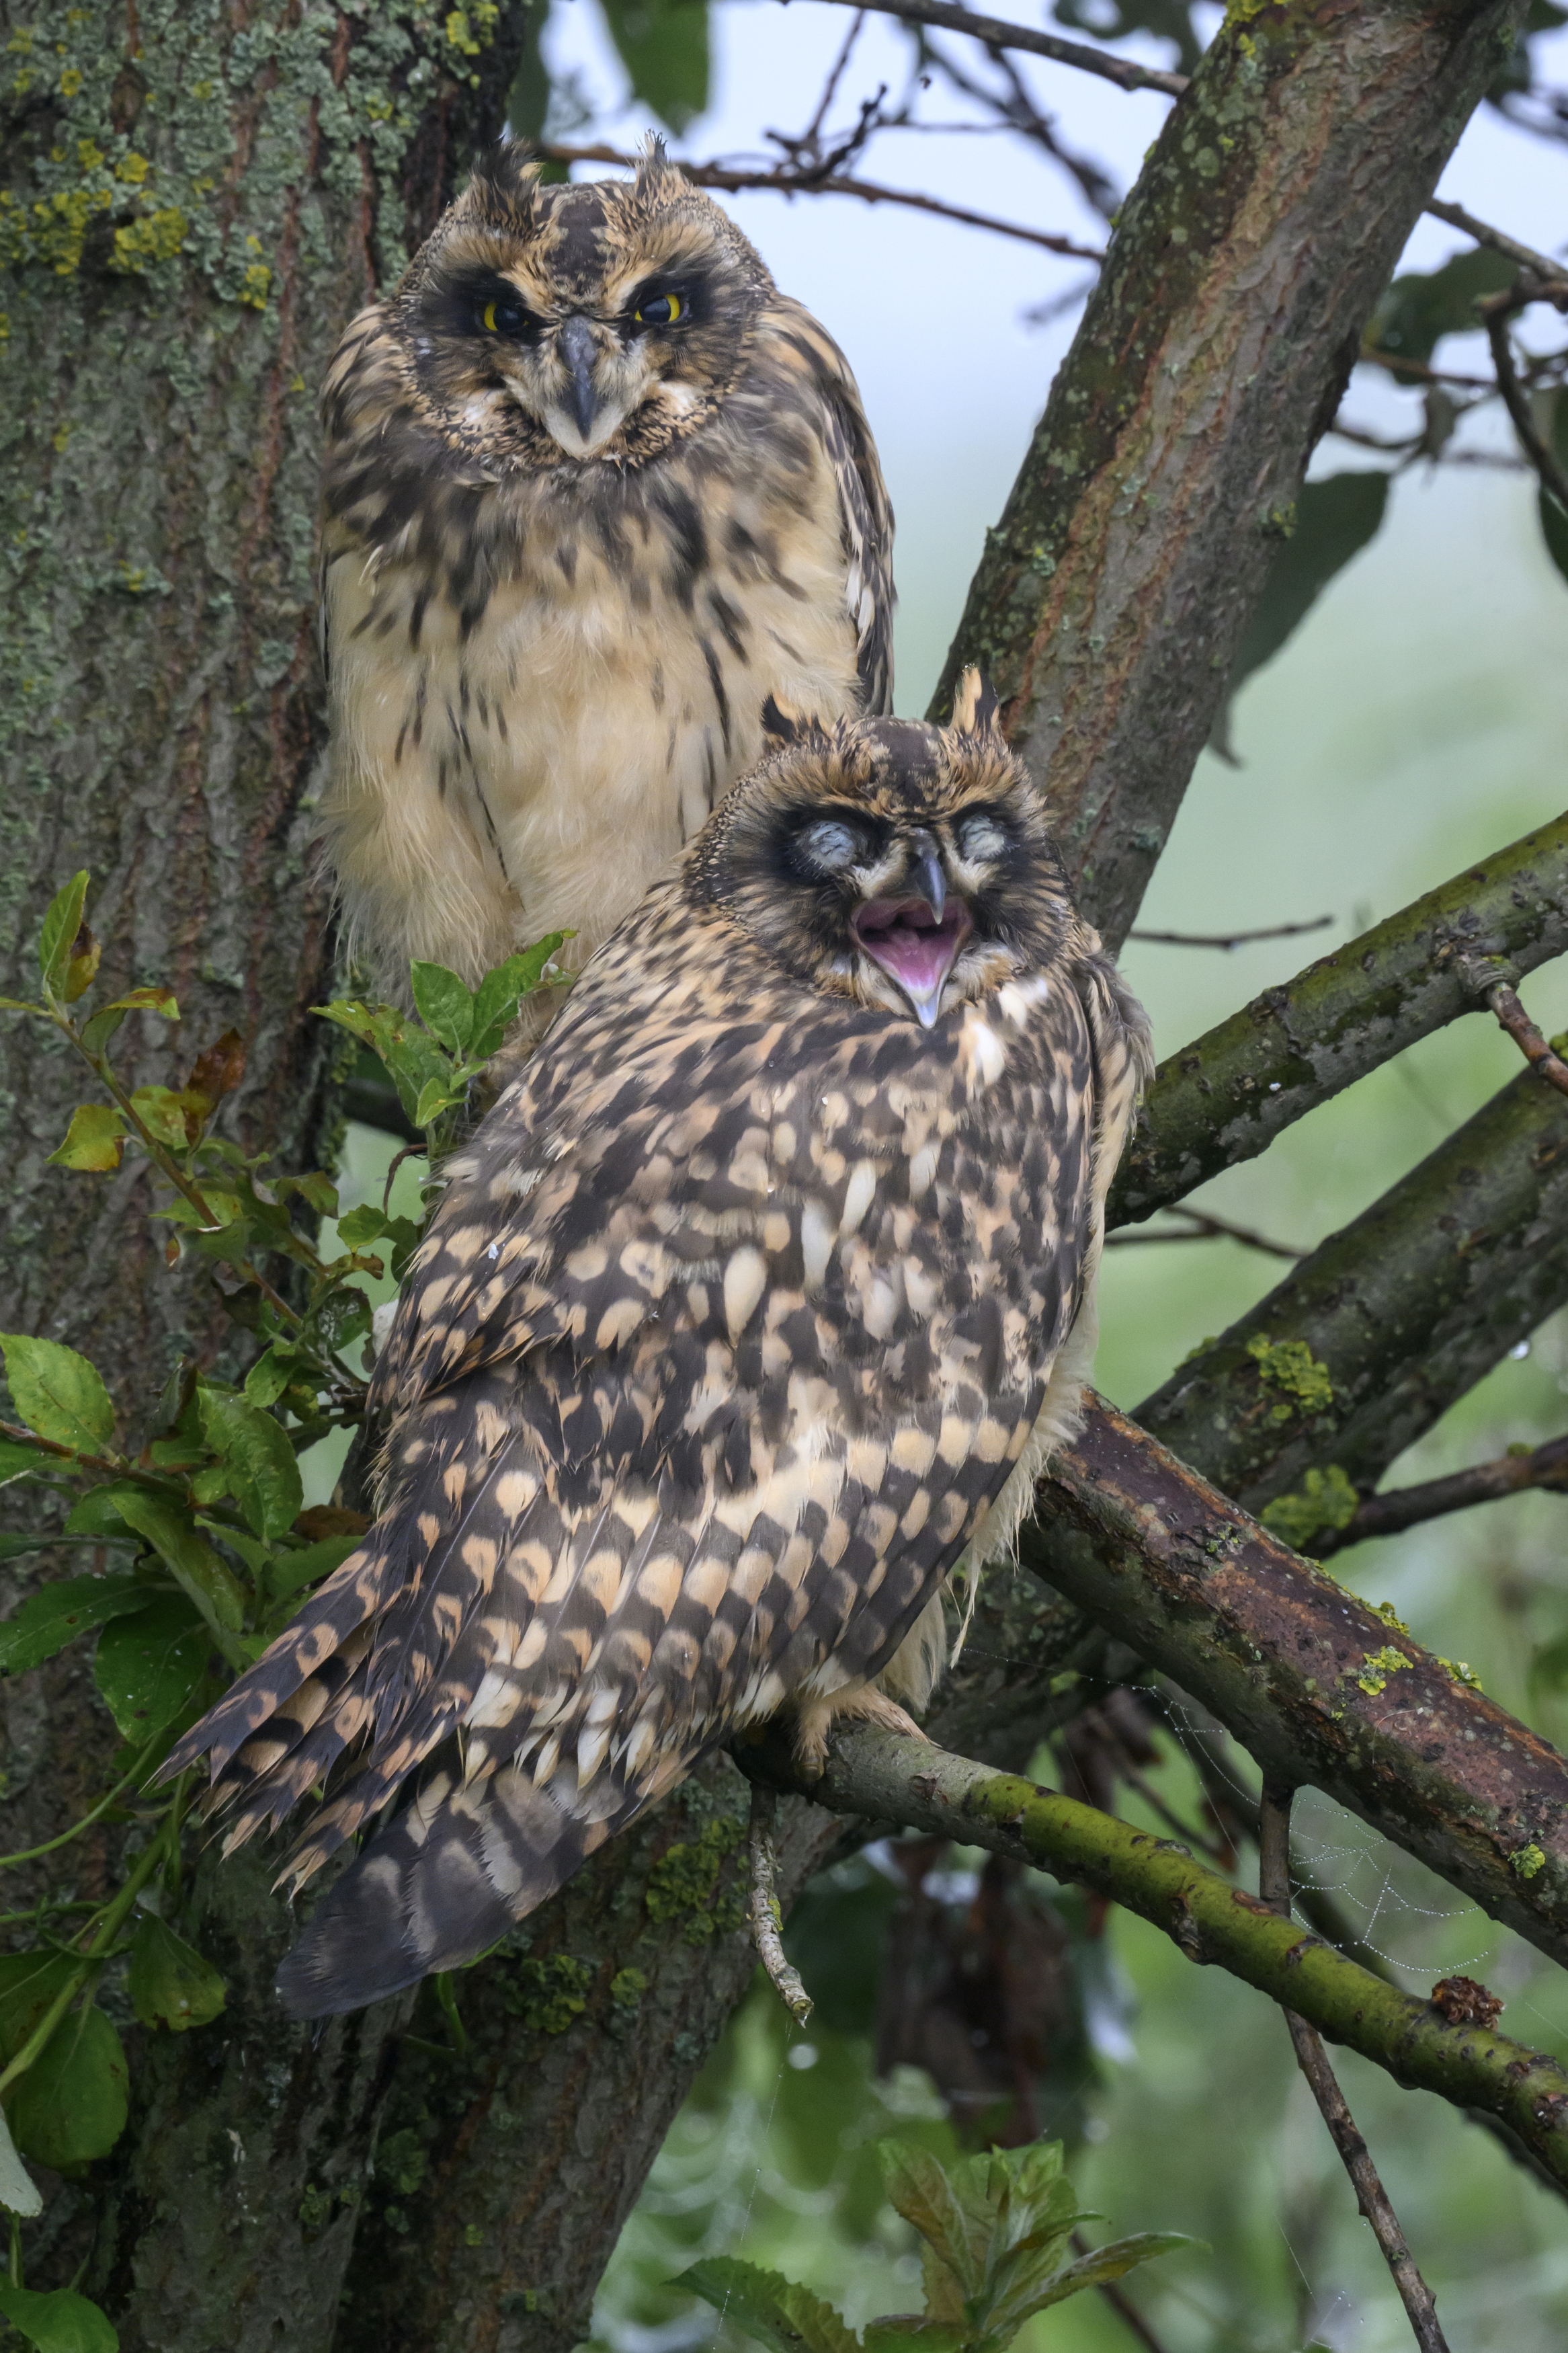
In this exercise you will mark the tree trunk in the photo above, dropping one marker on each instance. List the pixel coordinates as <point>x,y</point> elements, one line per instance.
<point>199,196</point>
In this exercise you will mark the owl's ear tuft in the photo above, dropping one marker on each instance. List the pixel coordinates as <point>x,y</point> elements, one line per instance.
<point>784,723</point>
<point>975,705</point>
<point>501,190</point>
<point>658,180</point>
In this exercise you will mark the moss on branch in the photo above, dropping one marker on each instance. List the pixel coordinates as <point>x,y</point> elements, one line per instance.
<point>1403,1310</point>
<point>1226,1097</point>
<point>886,1778</point>
<point>1321,1687</point>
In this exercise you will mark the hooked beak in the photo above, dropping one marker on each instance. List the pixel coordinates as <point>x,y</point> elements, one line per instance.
<point>577,349</point>
<point>916,937</point>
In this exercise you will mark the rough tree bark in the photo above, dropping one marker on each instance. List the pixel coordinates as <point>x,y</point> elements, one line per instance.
<point>196,198</point>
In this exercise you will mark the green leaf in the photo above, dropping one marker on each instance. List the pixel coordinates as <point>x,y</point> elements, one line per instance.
<point>71,2106</point>
<point>47,1621</point>
<point>663,45</point>
<point>146,1000</point>
<point>57,1393</point>
<point>1418,310</point>
<point>96,1032</point>
<point>359,1228</point>
<point>171,1983</point>
<point>95,1139</point>
<point>163,1113</point>
<point>81,965</point>
<point>503,991</point>
<point>919,2189</point>
<point>263,1473</point>
<point>58,2322</point>
<point>19,1461</point>
<point>166,1524</point>
<point>97,1516</point>
<point>269,1378</point>
<point>61,923</point>
<point>443,1002</point>
<point>903,2332</point>
<point>29,1984</point>
<point>772,2309</point>
<point>1334,520</point>
<point>20,2193</point>
<point>150,1666</point>
<point>1094,2269</point>
<point>434,1097</point>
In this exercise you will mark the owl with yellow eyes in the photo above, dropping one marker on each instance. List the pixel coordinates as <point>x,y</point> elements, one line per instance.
<point>594,491</point>
<point>754,1302</point>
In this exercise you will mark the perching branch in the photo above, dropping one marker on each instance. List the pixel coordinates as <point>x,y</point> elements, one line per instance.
<point>1361,1348</point>
<point>1274,1886</point>
<point>1226,1097</point>
<point>886,1778</point>
<point>1322,1688</point>
<point>783,179</point>
<point>1407,1507</point>
<point>1497,238</point>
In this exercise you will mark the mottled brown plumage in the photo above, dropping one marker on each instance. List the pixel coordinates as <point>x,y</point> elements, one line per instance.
<point>752,1303</point>
<point>594,489</point>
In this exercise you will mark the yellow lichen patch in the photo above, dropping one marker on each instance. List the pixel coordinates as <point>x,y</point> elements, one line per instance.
<point>1377,1666</point>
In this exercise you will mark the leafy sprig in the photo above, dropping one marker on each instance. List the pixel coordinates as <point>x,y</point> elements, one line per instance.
<point>997,2231</point>
<point>198,1505</point>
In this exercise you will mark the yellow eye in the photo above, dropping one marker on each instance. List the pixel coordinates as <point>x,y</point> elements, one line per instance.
<point>661,310</point>
<point>491,327</point>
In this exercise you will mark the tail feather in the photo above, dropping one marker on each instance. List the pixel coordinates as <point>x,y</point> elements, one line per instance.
<point>453,1871</point>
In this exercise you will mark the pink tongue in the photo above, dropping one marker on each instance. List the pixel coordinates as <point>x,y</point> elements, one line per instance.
<point>916,959</point>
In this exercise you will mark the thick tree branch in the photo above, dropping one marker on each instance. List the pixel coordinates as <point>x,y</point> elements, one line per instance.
<point>1263,230</point>
<point>1226,1097</point>
<point>1318,1685</point>
<point>1400,1311</point>
<point>1274,1886</point>
<point>884,1777</point>
<point>1483,1482</point>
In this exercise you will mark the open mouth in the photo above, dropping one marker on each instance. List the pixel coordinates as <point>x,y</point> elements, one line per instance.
<point>914,946</point>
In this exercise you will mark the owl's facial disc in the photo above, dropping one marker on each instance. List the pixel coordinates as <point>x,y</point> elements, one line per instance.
<point>915,935</point>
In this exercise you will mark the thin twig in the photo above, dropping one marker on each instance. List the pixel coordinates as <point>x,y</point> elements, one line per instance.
<point>1505,1004</point>
<point>1201,1226</point>
<point>1229,939</point>
<point>1499,239</point>
<point>1407,1507</point>
<point>779,181</point>
<point>1497,313</point>
<point>762,1908</point>
<point>996,34</point>
<point>1274,1886</point>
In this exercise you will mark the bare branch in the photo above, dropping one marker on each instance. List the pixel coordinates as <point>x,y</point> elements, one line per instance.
<point>1274,1886</point>
<point>1499,239</point>
<point>886,1776</point>
<point>996,34</point>
<point>1511,1013</point>
<point>1203,1226</point>
<point>1408,1508</point>
<point>782,180</point>
<point>1497,313</point>
<point>1228,939</point>
<point>1321,1687</point>
<point>1227,1095</point>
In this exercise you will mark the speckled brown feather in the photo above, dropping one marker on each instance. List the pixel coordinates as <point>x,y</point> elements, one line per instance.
<point>546,669</point>
<point>737,1323</point>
